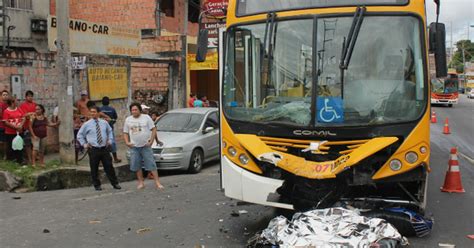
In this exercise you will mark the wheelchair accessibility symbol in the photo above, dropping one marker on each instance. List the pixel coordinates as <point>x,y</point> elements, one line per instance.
<point>330,109</point>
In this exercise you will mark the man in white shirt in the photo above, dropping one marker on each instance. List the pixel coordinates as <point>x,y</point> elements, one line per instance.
<point>139,132</point>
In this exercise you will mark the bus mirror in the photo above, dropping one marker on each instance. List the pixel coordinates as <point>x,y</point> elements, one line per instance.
<point>202,45</point>
<point>437,45</point>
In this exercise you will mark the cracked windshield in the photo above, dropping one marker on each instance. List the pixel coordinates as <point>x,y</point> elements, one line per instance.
<point>383,83</point>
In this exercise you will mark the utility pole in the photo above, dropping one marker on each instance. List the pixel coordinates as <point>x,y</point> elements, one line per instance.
<point>181,94</point>
<point>66,133</point>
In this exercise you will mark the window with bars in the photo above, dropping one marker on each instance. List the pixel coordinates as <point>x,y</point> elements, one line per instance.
<point>19,4</point>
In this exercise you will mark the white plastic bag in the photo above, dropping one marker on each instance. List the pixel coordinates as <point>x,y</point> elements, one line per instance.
<point>17,143</point>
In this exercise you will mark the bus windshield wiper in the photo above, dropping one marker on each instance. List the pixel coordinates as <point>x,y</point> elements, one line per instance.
<point>348,45</point>
<point>270,38</point>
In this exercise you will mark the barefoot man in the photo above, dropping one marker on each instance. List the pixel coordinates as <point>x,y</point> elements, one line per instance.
<point>139,132</point>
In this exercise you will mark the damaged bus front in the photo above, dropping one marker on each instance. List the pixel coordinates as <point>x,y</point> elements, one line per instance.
<point>327,105</point>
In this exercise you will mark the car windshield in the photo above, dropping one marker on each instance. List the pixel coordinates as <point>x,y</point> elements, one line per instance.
<point>269,75</point>
<point>180,122</point>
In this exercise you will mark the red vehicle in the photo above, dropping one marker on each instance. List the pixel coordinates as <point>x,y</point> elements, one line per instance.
<point>445,91</point>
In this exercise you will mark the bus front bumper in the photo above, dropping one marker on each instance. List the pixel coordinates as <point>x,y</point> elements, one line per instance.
<point>243,185</point>
<point>444,101</point>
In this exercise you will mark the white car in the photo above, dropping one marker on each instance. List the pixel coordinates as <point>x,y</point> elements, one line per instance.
<point>470,94</point>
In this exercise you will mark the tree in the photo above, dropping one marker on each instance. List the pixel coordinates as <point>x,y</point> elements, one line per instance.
<point>457,60</point>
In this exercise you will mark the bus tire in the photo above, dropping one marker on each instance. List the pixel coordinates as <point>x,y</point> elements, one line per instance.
<point>196,161</point>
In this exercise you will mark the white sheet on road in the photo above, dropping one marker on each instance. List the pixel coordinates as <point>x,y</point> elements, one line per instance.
<point>331,227</point>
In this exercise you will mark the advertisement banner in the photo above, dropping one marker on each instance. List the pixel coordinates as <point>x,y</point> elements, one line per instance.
<point>216,8</point>
<point>107,81</point>
<point>213,36</point>
<point>211,63</point>
<point>94,38</point>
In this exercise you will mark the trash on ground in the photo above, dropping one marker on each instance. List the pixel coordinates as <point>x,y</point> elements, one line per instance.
<point>330,227</point>
<point>243,212</point>
<point>444,245</point>
<point>143,230</point>
<point>470,236</point>
<point>95,222</point>
<point>46,230</point>
<point>234,214</point>
<point>16,197</point>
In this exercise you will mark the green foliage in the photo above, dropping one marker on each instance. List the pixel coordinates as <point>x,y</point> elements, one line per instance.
<point>27,172</point>
<point>457,60</point>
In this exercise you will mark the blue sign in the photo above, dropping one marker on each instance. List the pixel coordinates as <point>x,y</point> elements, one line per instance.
<point>330,109</point>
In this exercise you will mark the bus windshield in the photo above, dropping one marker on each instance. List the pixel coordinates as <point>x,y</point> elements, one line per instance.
<point>447,86</point>
<point>290,75</point>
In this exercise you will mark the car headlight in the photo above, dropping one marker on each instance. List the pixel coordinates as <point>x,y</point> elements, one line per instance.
<point>172,150</point>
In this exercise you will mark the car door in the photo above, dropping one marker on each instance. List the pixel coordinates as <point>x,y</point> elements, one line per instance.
<point>211,139</point>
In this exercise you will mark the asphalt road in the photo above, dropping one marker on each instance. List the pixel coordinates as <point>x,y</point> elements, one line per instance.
<point>191,211</point>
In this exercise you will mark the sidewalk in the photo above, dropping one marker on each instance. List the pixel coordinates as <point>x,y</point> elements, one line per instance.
<point>74,176</point>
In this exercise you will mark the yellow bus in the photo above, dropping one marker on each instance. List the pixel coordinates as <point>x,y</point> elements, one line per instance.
<point>327,102</point>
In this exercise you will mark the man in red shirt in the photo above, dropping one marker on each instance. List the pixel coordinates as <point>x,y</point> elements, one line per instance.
<point>3,106</point>
<point>192,98</point>
<point>28,107</point>
<point>14,123</point>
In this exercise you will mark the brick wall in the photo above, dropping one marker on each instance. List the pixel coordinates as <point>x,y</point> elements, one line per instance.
<point>38,74</point>
<point>138,14</point>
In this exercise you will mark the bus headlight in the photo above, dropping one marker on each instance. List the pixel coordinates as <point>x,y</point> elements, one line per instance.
<point>395,165</point>
<point>411,157</point>
<point>244,159</point>
<point>232,151</point>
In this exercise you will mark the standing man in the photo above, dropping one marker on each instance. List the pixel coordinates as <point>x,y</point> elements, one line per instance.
<point>3,106</point>
<point>81,104</point>
<point>139,132</point>
<point>112,114</point>
<point>28,107</point>
<point>96,135</point>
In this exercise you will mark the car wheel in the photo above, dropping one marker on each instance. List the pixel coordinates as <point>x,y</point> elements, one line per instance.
<point>450,105</point>
<point>195,164</point>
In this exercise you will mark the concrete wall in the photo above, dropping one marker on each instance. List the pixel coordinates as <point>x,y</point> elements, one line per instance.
<point>22,36</point>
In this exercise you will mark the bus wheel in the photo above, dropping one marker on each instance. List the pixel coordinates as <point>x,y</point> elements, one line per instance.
<point>195,163</point>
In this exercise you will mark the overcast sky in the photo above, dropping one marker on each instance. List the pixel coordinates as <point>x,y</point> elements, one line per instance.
<point>459,13</point>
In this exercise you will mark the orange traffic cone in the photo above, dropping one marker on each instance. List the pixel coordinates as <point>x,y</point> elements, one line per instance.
<point>452,181</point>
<point>433,117</point>
<point>446,126</point>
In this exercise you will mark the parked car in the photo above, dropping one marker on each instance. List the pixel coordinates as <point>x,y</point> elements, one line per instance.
<point>190,138</point>
<point>470,94</point>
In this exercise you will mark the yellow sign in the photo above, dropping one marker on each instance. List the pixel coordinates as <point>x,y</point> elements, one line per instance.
<point>211,63</point>
<point>95,38</point>
<point>107,81</point>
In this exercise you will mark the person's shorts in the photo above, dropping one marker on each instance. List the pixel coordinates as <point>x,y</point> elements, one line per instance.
<point>27,138</point>
<point>39,144</point>
<point>2,135</point>
<point>142,157</point>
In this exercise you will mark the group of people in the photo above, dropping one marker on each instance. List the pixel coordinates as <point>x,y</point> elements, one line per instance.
<point>28,121</point>
<point>97,137</point>
<point>198,101</point>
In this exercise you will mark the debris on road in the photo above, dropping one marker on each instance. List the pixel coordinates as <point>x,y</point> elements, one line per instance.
<point>234,214</point>
<point>444,245</point>
<point>16,197</point>
<point>143,230</point>
<point>329,227</point>
<point>95,222</point>
<point>470,236</point>
<point>46,230</point>
<point>243,212</point>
